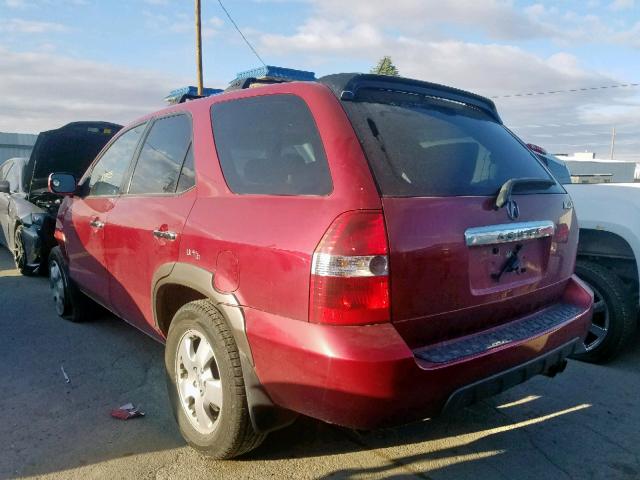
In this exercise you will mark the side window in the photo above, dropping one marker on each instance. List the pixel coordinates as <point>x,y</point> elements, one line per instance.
<point>4,170</point>
<point>13,176</point>
<point>270,145</point>
<point>162,156</point>
<point>188,174</point>
<point>107,174</point>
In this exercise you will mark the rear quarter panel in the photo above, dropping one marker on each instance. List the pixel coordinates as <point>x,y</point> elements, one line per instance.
<point>272,237</point>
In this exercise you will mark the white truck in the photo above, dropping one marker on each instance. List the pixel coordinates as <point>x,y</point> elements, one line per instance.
<point>608,253</point>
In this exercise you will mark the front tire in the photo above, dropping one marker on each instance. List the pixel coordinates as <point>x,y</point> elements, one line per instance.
<point>205,383</point>
<point>614,314</point>
<point>70,303</point>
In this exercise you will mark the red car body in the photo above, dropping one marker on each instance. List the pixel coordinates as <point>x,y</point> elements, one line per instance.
<point>429,345</point>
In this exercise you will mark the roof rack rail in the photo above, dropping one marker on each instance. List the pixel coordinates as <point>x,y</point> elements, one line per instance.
<point>268,74</point>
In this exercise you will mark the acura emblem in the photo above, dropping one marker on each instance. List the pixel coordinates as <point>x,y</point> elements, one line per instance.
<point>512,209</point>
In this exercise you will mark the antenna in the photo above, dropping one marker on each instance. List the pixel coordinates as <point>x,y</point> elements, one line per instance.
<point>241,34</point>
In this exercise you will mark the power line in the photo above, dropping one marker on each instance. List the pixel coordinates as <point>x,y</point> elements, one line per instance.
<point>241,34</point>
<point>572,90</point>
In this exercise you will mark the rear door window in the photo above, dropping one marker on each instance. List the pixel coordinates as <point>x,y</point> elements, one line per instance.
<point>162,156</point>
<point>270,145</point>
<point>108,173</point>
<point>188,174</point>
<point>434,147</point>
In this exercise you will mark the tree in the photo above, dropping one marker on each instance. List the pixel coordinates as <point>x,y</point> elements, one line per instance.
<point>386,67</point>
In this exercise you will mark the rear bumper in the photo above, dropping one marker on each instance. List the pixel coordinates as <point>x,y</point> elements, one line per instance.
<point>549,364</point>
<point>367,377</point>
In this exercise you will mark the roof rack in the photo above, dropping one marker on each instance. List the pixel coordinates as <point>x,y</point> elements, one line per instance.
<point>184,94</point>
<point>268,74</point>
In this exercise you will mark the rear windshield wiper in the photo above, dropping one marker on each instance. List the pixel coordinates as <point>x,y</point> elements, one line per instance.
<point>504,194</point>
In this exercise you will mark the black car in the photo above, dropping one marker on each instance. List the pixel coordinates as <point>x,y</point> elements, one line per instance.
<point>27,209</point>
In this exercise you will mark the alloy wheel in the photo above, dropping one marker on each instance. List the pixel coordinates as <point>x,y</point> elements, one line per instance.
<point>600,322</point>
<point>56,282</point>
<point>198,381</point>
<point>18,249</point>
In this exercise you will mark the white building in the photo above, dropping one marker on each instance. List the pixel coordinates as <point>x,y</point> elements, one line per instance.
<point>585,165</point>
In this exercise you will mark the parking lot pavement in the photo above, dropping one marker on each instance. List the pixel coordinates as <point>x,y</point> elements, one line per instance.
<point>584,423</point>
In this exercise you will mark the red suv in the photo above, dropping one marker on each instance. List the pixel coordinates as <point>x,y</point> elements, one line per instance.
<point>361,249</point>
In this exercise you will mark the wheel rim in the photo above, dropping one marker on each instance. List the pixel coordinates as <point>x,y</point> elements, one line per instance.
<point>56,282</point>
<point>18,249</point>
<point>198,381</point>
<point>600,321</point>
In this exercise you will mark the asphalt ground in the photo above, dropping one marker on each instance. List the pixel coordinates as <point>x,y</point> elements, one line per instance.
<point>582,424</point>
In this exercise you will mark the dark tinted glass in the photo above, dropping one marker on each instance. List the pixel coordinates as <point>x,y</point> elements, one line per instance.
<point>107,174</point>
<point>557,168</point>
<point>270,145</point>
<point>162,155</point>
<point>430,147</point>
<point>187,175</point>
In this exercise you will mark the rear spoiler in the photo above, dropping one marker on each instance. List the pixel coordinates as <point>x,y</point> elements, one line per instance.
<point>347,86</point>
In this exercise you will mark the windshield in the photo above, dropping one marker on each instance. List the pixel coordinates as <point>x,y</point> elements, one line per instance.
<point>421,146</point>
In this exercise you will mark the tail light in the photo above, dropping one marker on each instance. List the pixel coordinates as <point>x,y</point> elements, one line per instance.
<point>350,273</point>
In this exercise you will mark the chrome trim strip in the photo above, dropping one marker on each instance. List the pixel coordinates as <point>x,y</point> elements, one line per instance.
<point>510,232</point>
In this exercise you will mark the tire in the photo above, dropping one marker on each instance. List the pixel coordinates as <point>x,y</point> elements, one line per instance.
<point>205,383</point>
<point>19,255</point>
<point>614,317</point>
<point>71,304</point>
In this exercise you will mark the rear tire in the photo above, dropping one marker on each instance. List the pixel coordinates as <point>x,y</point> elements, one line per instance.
<point>614,318</point>
<point>205,383</point>
<point>71,304</point>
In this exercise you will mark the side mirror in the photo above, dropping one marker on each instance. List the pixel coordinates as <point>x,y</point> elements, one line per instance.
<point>62,183</point>
<point>5,187</point>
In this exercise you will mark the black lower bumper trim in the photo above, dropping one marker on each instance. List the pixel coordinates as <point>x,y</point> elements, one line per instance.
<point>517,330</point>
<point>548,364</point>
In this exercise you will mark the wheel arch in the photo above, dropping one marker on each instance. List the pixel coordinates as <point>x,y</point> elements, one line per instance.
<point>612,250</point>
<point>174,285</point>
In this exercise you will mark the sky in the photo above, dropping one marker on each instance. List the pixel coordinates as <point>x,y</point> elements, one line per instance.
<point>67,60</point>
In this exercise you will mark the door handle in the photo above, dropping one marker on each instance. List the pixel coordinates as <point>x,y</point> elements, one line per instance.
<point>165,235</point>
<point>95,223</point>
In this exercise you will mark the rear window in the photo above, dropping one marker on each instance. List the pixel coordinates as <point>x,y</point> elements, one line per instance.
<point>421,146</point>
<point>270,145</point>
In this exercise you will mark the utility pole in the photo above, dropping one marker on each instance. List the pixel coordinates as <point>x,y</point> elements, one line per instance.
<point>199,47</point>
<point>613,142</point>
